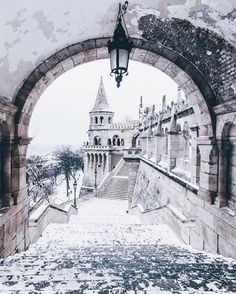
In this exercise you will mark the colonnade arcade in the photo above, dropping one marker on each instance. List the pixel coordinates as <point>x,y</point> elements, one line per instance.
<point>114,141</point>
<point>97,161</point>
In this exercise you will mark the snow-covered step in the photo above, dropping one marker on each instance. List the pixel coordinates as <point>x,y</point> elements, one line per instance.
<point>105,250</point>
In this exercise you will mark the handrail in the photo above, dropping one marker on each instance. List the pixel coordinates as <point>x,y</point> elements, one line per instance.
<point>107,178</point>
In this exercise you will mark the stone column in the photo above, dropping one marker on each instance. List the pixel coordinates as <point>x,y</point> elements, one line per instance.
<point>158,151</point>
<point>19,150</point>
<point>208,169</point>
<point>87,162</point>
<point>194,155</point>
<point>108,162</point>
<point>6,173</point>
<point>171,150</point>
<point>223,174</point>
<point>104,163</point>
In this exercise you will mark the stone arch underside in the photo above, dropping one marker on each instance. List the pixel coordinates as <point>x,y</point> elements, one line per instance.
<point>77,54</point>
<point>188,62</point>
<point>185,53</point>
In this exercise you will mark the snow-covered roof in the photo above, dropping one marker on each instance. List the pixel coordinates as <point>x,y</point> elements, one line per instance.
<point>101,103</point>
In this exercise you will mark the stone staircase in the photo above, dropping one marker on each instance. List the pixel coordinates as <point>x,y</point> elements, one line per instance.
<point>122,183</point>
<point>104,250</point>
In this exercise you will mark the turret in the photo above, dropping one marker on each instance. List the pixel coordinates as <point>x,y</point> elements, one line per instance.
<point>101,113</point>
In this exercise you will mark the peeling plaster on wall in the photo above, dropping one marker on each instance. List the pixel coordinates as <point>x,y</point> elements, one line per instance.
<point>219,18</point>
<point>134,14</point>
<point>210,53</point>
<point>17,22</point>
<point>11,79</point>
<point>10,45</point>
<point>46,26</point>
<point>42,29</point>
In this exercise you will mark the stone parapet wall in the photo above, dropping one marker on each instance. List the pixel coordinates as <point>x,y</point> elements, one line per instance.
<point>46,215</point>
<point>195,221</point>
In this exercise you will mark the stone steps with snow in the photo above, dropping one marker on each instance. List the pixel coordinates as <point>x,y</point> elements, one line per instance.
<point>105,250</point>
<point>128,167</point>
<point>118,186</point>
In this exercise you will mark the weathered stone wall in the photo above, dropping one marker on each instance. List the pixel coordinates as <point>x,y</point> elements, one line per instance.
<point>211,54</point>
<point>172,201</point>
<point>41,218</point>
<point>14,229</point>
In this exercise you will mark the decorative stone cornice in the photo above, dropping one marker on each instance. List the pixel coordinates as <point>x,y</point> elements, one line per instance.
<point>185,112</point>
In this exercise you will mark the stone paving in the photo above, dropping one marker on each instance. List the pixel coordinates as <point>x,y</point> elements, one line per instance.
<point>105,250</point>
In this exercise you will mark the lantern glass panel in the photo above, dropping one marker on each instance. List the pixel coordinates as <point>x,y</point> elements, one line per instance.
<point>119,60</point>
<point>113,55</point>
<point>123,59</point>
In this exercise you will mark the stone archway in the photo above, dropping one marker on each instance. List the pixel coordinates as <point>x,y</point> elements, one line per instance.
<point>188,77</point>
<point>195,85</point>
<point>154,48</point>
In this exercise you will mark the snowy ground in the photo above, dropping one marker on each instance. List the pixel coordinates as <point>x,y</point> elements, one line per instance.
<point>60,195</point>
<point>105,250</point>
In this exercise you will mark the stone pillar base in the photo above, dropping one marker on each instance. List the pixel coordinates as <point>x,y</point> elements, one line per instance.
<point>220,201</point>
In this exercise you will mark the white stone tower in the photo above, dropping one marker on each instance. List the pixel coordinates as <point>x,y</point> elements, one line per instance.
<point>107,141</point>
<point>100,114</point>
<point>97,149</point>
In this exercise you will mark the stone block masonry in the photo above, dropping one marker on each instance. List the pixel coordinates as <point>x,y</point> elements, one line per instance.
<point>212,55</point>
<point>14,229</point>
<point>195,221</point>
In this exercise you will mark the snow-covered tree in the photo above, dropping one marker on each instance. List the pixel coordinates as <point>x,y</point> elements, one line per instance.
<point>70,162</point>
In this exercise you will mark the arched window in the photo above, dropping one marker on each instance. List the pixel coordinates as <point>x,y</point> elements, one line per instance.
<point>101,119</point>
<point>118,141</point>
<point>109,142</point>
<point>122,142</point>
<point>96,120</point>
<point>100,159</point>
<point>109,120</point>
<point>97,140</point>
<point>115,140</point>
<point>178,128</point>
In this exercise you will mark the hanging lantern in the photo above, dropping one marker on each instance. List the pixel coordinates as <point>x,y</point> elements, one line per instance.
<point>120,47</point>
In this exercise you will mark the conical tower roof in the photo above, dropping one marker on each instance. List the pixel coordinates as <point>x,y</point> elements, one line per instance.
<point>101,103</point>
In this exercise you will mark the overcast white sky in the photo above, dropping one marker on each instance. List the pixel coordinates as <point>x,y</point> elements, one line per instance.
<point>61,114</point>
